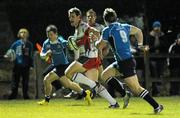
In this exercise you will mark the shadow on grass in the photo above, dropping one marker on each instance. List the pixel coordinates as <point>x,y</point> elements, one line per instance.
<point>145,114</point>
<point>77,105</point>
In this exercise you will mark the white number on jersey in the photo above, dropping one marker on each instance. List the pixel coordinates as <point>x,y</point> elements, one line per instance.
<point>123,36</point>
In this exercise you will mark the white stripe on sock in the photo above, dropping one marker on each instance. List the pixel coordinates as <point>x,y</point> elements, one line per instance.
<point>145,94</point>
<point>142,94</point>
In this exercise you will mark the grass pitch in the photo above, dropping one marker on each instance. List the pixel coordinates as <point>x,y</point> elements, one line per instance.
<point>70,108</point>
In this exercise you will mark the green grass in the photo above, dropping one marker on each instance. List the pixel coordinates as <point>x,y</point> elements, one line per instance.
<point>69,108</point>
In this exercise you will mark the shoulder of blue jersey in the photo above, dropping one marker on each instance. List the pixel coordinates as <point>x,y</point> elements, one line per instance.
<point>125,24</point>
<point>105,29</point>
<point>46,41</point>
<point>61,39</point>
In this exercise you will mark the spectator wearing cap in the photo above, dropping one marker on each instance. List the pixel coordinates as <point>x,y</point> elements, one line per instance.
<point>156,43</point>
<point>155,34</point>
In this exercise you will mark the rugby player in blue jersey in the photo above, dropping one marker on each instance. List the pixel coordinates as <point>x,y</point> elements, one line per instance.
<point>55,47</point>
<point>117,35</point>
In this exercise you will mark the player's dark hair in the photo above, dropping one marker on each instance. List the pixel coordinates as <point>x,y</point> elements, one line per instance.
<point>75,10</point>
<point>109,15</point>
<point>52,28</point>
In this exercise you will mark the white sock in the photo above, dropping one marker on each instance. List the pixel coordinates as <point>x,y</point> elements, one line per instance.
<point>82,79</point>
<point>101,90</point>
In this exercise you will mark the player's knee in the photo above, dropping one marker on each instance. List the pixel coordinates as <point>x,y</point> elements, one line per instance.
<point>104,76</point>
<point>137,90</point>
<point>140,89</point>
<point>68,73</point>
<point>47,78</point>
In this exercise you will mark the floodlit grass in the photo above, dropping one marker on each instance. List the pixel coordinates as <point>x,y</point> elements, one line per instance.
<point>70,108</point>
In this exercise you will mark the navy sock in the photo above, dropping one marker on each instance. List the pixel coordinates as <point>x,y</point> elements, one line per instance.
<point>115,84</point>
<point>84,93</point>
<point>146,96</point>
<point>47,98</point>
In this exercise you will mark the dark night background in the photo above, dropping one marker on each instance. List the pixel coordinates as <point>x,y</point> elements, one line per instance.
<point>35,15</point>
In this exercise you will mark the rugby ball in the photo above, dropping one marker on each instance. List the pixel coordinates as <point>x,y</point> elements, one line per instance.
<point>11,54</point>
<point>72,43</point>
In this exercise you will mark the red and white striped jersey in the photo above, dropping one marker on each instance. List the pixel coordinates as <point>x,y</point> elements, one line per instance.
<point>86,44</point>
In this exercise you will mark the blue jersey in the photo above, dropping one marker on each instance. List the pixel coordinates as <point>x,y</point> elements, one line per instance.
<point>117,35</point>
<point>23,51</point>
<point>58,51</point>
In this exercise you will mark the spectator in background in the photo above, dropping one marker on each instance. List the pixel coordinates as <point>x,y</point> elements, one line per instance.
<point>155,34</point>
<point>23,50</point>
<point>156,44</point>
<point>173,63</point>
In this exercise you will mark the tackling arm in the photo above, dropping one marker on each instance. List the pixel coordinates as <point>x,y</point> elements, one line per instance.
<point>94,33</point>
<point>103,47</point>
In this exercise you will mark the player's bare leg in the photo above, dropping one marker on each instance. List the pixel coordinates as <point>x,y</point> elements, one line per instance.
<point>67,83</point>
<point>108,76</point>
<point>133,84</point>
<point>74,67</point>
<point>91,79</point>
<point>48,79</point>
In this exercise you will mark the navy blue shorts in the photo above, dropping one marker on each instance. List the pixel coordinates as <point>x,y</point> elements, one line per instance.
<point>126,67</point>
<point>59,69</point>
<point>48,69</point>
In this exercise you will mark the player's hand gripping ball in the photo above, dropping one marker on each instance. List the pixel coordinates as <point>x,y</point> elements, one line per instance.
<point>72,43</point>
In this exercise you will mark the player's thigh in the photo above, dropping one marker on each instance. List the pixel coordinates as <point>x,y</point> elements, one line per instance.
<point>133,83</point>
<point>75,66</point>
<point>100,69</point>
<point>92,74</point>
<point>65,81</point>
<point>108,72</point>
<point>51,76</point>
